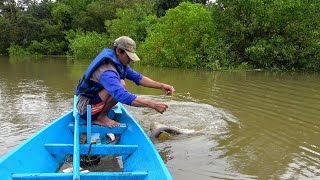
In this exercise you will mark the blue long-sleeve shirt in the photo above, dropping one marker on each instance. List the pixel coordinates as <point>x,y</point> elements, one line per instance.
<point>111,82</point>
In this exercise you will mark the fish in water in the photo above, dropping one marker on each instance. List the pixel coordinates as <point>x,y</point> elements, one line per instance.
<point>157,129</point>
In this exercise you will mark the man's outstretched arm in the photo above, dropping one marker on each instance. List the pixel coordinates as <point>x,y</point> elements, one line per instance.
<point>147,82</point>
<point>158,106</point>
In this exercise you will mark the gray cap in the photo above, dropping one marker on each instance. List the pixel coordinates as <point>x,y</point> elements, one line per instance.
<point>128,45</point>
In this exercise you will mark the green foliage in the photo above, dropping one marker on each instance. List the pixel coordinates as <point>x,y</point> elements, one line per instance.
<point>228,34</point>
<point>96,15</point>
<point>130,22</point>
<point>278,34</point>
<point>46,47</point>
<point>9,9</point>
<point>78,5</point>
<point>41,10</point>
<point>184,37</point>
<point>4,35</point>
<point>61,14</point>
<point>88,45</point>
<point>16,50</point>
<point>72,34</point>
<point>162,6</point>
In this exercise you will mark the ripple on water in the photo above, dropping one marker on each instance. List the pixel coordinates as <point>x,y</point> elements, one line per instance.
<point>26,108</point>
<point>13,134</point>
<point>305,164</point>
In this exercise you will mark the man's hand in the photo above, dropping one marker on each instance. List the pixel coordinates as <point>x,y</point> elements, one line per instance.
<point>160,107</point>
<point>168,89</point>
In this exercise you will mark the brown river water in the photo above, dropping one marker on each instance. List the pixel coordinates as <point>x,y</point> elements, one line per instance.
<point>248,125</point>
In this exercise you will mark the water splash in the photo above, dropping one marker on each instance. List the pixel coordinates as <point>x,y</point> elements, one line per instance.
<point>186,115</point>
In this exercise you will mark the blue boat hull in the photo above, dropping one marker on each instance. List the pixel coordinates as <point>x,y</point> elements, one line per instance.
<point>41,156</point>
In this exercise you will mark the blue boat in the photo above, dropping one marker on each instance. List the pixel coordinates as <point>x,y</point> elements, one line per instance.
<point>44,154</point>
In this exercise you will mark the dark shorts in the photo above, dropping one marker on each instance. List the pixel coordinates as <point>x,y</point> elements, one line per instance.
<point>96,107</point>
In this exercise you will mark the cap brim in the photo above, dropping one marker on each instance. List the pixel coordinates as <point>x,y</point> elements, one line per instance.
<point>133,56</point>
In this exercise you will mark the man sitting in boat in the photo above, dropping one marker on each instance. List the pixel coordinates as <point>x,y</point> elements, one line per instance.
<point>103,85</point>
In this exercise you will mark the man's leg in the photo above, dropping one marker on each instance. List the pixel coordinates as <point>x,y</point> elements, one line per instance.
<point>109,102</point>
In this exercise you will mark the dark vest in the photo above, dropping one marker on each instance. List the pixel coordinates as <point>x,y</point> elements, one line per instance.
<point>90,88</point>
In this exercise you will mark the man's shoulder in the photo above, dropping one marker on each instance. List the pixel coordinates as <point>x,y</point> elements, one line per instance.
<point>103,68</point>
<point>107,65</point>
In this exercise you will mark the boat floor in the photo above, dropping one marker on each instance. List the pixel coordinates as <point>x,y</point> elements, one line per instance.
<point>106,164</point>
<point>95,163</point>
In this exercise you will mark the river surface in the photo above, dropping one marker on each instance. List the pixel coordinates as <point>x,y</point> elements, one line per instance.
<point>248,125</point>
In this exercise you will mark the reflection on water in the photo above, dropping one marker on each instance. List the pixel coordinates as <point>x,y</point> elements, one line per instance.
<point>249,125</point>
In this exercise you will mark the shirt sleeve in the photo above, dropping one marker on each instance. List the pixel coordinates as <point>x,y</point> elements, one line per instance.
<point>133,75</point>
<point>110,80</point>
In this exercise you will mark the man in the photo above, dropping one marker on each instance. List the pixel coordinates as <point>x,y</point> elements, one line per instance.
<point>103,85</point>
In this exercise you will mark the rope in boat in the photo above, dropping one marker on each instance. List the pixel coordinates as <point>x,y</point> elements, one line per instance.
<point>93,160</point>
